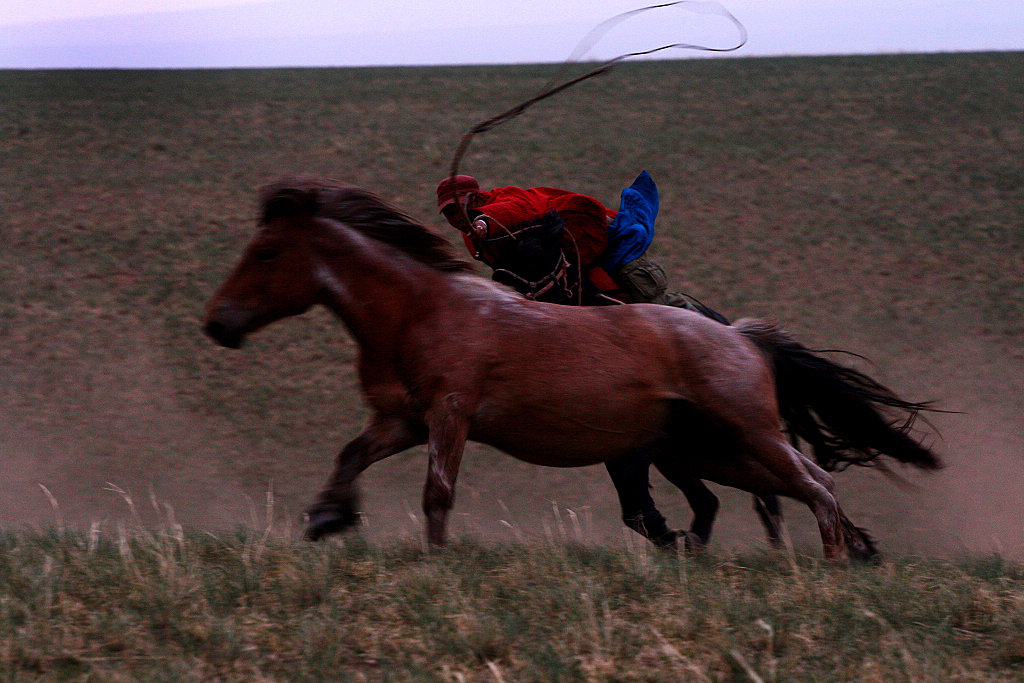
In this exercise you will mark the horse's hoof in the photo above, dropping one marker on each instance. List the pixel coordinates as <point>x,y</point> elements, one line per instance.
<point>872,557</point>
<point>322,523</point>
<point>692,542</point>
<point>667,541</point>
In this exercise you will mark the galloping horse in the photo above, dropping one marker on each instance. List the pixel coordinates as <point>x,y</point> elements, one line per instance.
<point>447,356</point>
<point>531,259</point>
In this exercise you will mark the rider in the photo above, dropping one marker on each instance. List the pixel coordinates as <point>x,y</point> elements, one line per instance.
<point>609,245</point>
<point>609,248</point>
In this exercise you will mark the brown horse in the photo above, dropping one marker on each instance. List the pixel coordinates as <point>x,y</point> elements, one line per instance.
<point>447,356</point>
<point>836,410</point>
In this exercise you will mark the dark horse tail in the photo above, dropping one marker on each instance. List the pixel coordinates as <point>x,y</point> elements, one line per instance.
<point>847,417</point>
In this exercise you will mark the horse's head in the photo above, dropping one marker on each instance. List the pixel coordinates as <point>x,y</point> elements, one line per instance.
<point>276,276</point>
<point>530,259</point>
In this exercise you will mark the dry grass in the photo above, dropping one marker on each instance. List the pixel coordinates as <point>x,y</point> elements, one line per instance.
<point>131,603</point>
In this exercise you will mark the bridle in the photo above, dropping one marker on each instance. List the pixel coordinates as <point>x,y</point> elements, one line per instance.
<point>559,276</point>
<point>534,289</point>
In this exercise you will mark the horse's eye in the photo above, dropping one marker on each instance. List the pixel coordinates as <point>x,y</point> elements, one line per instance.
<point>266,255</point>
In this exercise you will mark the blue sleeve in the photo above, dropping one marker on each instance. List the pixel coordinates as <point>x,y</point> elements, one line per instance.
<point>632,231</point>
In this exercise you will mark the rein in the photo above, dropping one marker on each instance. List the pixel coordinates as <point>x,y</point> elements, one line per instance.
<point>559,276</point>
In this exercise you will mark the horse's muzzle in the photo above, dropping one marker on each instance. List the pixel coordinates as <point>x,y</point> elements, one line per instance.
<point>226,326</point>
<point>223,335</point>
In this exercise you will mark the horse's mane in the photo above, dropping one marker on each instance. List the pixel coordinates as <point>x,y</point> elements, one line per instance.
<point>365,213</point>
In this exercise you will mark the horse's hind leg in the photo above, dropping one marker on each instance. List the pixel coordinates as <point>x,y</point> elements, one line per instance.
<point>796,480</point>
<point>808,482</point>
<point>768,507</point>
<point>702,501</point>
<point>826,510</point>
<point>704,504</point>
<point>769,511</point>
<point>857,540</point>
<point>763,463</point>
<point>630,473</point>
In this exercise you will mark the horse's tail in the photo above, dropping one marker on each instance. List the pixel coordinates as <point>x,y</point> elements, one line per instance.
<point>846,416</point>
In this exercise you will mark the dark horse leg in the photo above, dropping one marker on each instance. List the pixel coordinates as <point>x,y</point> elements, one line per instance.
<point>761,462</point>
<point>335,507</point>
<point>702,501</point>
<point>705,506</point>
<point>769,510</point>
<point>686,420</point>
<point>629,473</point>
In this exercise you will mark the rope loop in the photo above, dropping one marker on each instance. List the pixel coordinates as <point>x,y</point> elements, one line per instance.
<point>553,87</point>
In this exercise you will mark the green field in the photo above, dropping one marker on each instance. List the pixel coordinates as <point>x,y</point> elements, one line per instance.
<point>873,204</point>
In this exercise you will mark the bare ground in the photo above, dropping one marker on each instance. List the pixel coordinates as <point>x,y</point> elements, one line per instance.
<point>116,231</point>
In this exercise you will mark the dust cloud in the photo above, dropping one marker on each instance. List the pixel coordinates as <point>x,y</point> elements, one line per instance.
<point>111,431</point>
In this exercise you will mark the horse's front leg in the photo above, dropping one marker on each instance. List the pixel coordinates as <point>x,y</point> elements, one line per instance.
<point>335,508</point>
<point>702,501</point>
<point>629,473</point>
<point>446,443</point>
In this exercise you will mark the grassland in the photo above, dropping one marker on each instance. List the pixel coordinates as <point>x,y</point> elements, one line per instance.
<point>162,604</point>
<point>874,204</point>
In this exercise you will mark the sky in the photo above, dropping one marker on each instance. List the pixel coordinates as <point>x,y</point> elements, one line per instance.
<point>267,33</point>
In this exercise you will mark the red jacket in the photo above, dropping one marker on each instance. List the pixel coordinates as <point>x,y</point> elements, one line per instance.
<point>586,222</point>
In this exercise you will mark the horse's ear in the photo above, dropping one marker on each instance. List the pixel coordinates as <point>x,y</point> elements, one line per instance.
<point>288,199</point>
<point>551,226</point>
